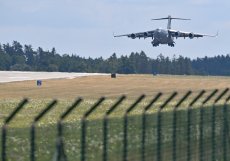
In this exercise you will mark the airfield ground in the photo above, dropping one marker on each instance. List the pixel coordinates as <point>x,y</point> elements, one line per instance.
<point>95,86</point>
<point>91,88</point>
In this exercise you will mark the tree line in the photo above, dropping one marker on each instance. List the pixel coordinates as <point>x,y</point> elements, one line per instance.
<point>24,58</point>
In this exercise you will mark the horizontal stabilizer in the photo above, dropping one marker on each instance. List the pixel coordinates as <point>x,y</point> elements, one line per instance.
<point>166,18</point>
<point>169,18</point>
<point>172,18</point>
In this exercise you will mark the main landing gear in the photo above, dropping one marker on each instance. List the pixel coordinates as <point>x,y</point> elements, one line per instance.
<point>157,44</point>
<point>171,44</point>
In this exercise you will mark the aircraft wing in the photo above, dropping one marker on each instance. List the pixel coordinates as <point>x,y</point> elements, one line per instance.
<point>138,34</point>
<point>191,35</point>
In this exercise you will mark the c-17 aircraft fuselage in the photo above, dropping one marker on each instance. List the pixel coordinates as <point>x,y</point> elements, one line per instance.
<point>165,36</point>
<point>161,36</point>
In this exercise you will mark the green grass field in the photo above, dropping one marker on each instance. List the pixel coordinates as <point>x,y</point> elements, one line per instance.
<point>91,88</point>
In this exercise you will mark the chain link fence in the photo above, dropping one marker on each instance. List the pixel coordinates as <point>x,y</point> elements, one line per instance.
<point>189,129</point>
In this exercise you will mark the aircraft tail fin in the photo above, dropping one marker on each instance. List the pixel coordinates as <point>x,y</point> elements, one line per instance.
<point>169,18</point>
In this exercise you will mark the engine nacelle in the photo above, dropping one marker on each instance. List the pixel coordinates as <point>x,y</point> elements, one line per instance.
<point>177,34</point>
<point>145,34</point>
<point>191,35</point>
<point>133,36</point>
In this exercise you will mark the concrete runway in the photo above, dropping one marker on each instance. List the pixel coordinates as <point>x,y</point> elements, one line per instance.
<point>13,76</point>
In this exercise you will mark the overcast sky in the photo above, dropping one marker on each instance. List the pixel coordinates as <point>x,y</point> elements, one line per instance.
<point>86,27</point>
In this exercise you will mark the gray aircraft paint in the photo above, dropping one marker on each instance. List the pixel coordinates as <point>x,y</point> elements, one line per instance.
<point>165,36</point>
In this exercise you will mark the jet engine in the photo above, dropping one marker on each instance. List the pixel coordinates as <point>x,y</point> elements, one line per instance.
<point>133,36</point>
<point>145,34</point>
<point>191,35</point>
<point>177,34</point>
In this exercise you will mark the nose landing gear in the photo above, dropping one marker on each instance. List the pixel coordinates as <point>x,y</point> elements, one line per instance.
<point>155,44</point>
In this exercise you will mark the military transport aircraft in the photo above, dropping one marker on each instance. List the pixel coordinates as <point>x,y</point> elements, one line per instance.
<point>165,36</point>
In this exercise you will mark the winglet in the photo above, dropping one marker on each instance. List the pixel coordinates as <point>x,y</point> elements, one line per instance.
<point>114,35</point>
<point>213,35</point>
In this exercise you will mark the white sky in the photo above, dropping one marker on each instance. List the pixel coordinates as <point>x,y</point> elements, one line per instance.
<point>85,27</point>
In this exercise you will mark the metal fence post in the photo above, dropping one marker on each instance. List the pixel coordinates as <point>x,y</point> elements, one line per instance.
<point>189,124</point>
<point>201,137</point>
<point>125,141</point>
<point>32,129</point>
<point>4,143</point>
<point>224,139</point>
<point>60,153</point>
<point>214,124</point>
<point>105,126</point>
<point>174,123</point>
<point>4,127</point>
<point>146,108</point>
<point>159,157</point>
<point>201,115</point>
<point>83,126</point>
